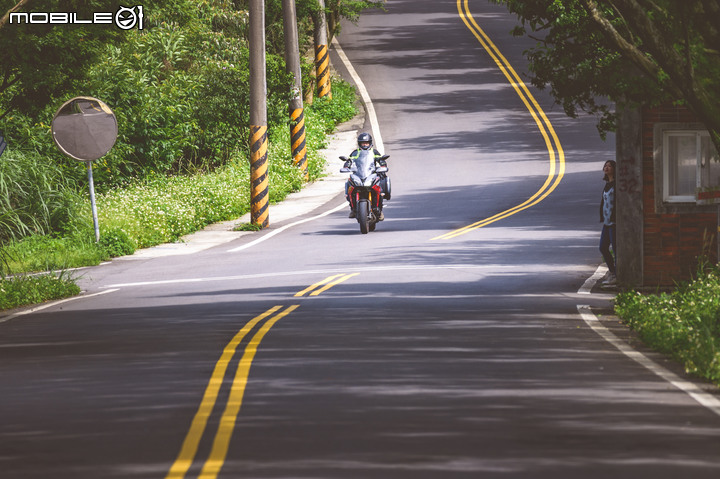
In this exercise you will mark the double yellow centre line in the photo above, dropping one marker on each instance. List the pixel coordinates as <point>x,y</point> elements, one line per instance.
<point>325,284</point>
<point>227,423</point>
<point>556,153</point>
<point>221,443</point>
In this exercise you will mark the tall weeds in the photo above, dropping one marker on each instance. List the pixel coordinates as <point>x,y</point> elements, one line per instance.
<point>34,198</point>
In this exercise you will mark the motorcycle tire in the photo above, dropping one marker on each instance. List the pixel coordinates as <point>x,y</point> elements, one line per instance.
<point>363,216</point>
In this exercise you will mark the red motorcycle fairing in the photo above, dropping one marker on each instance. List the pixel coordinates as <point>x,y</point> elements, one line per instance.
<point>374,198</point>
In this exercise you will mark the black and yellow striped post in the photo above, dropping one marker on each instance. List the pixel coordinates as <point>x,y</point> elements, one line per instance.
<point>259,176</point>
<point>259,186</point>
<point>322,67</point>
<point>292,64</point>
<point>322,58</point>
<point>297,134</point>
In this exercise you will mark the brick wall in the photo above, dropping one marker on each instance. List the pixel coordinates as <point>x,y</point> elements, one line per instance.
<point>672,243</point>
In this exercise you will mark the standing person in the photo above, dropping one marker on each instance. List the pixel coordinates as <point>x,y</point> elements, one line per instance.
<point>607,217</point>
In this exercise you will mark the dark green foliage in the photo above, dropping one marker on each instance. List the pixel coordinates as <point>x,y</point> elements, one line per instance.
<point>179,87</point>
<point>181,94</point>
<point>644,53</point>
<point>684,324</point>
<point>40,62</point>
<point>574,59</point>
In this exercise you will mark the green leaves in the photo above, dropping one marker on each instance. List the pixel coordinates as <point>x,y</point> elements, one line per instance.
<point>684,324</point>
<point>32,199</point>
<point>625,51</point>
<point>25,290</point>
<point>40,62</point>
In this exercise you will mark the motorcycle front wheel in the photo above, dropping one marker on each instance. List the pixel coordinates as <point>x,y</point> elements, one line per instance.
<point>363,216</point>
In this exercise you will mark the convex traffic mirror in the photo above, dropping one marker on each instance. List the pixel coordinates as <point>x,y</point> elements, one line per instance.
<point>85,129</point>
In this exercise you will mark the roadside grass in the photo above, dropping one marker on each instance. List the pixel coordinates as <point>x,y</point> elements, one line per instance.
<point>22,290</point>
<point>684,324</point>
<point>162,209</point>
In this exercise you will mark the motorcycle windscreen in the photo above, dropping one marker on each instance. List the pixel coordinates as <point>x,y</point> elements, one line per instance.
<point>365,164</point>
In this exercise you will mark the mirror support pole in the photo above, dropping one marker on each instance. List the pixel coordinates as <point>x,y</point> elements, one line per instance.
<point>92,200</point>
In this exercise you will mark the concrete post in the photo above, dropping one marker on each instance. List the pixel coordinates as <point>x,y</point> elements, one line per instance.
<point>259,196</point>
<point>322,56</point>
<point>292,63</point>
<point>629,191</point>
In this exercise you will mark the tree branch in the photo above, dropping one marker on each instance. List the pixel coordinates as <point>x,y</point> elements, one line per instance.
<point>631,51</point>
<point>4,20</point>
<point>679,69</point>
<point>7,82</point>
<point>664,52</point>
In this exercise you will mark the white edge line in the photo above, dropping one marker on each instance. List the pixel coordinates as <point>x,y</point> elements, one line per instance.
<point>590,283</point>
<point>280,230</point>
<point>364,94</point>
<point>35,309</point>
<point>704,398</point>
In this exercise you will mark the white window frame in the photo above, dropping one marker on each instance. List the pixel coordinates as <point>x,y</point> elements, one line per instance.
<point>664,202</point>
<point>667,134</point>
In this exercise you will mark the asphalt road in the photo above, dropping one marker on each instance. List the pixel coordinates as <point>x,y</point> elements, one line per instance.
<point>419,350</point>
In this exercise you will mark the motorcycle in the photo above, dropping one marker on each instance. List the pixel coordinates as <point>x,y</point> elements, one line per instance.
<point>365,190</point>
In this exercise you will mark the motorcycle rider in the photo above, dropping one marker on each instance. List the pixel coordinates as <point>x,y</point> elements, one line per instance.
<point>365,142</point>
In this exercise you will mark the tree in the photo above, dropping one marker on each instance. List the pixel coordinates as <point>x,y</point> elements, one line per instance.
<point>628,51</point>
<point>18,7</point>
<point>41,61</point>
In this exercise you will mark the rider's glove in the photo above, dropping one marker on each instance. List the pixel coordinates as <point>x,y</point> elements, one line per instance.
<point>348,163</point>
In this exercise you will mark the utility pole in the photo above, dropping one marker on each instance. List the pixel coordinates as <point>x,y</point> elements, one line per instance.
<point>259,196</point>
<point>292,63</point>
<point>322,57</point>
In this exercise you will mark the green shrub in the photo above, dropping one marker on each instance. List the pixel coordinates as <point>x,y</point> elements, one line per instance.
<point>341,108</point>
<point>115,242</point>
<point>24,290</point>
<point>684,324</point>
